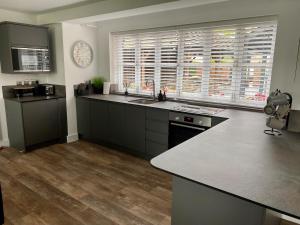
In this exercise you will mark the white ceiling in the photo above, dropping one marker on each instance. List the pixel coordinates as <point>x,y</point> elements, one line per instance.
<point>37,6</point>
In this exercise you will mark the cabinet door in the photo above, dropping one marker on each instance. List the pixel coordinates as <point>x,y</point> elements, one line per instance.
<point>155,149</point>
<point>116,121</point>
<point>135,118</point>
<point>99,121</point>
<point>157,131</point>
<point>41,121</point>
<point>62,113</point>
<point>83,117</point>
<point>23,35</point>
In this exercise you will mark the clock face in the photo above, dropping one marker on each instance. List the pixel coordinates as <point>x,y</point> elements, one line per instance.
<point>82,54</point>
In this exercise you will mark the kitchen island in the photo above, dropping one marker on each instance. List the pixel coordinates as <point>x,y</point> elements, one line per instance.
<point>234,173</point>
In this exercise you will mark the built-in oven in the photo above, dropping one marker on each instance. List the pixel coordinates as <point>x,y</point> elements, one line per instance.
<point>27,60</point>
<point>183,126</point>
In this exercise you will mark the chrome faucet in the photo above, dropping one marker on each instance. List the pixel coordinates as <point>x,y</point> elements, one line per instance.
<point>153,87</point>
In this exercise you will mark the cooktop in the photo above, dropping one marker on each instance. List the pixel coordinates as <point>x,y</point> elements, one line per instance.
<point>194,109</point>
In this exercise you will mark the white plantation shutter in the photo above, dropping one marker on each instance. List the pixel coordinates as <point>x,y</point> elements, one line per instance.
<point>225,64</point>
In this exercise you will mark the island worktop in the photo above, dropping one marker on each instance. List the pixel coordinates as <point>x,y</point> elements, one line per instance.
<point>237,158</point>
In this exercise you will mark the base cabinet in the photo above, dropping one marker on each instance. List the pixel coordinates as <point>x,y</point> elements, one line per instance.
<point>41,120</point>
<point>116,121</point>
<point>83,118</point>
<point>135,125</point>
<point>99,124</point>
<point>157,132</point>
<point>36,123</point>
<point>132,128</point>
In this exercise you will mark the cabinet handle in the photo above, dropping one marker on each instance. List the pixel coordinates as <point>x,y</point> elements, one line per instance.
<point>187,126</point>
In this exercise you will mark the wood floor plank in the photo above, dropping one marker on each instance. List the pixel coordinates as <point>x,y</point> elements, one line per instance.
<point>113,211</point>
<point>31,219</point>
<point>13,213</point>
<point>82,184</point>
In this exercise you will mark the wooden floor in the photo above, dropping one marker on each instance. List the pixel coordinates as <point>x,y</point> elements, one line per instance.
<point>83,184</point>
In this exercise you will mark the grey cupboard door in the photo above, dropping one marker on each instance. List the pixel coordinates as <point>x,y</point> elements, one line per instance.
<point>15,126</point>
<point>41,121</point>
<point>83,117</point>
<point>63,124</point>
<point>157,131</point>
<point>116,121</point>
<point>99,121</point>
<point>135,119</point>
<point>22,35</point>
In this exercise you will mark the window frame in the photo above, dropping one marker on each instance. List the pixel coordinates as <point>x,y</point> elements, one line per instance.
<point>203,96</point>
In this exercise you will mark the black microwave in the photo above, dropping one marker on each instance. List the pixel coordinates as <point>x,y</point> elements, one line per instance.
<point>28,60</point>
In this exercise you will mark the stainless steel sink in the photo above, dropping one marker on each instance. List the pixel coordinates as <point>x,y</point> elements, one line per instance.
<point>143,101</point>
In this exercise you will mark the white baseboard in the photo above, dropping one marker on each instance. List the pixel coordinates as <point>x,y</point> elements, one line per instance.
<point>4,143</point>
<point>72,138</point>
<point>290,219</point>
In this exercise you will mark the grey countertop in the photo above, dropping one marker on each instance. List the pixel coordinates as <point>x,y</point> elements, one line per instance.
<point>126,99</point>
<point>34,98</point>
<point>167,105</point>
<point>237,158</point>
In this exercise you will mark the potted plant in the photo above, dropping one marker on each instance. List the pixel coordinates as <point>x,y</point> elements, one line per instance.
<point>97,84</point>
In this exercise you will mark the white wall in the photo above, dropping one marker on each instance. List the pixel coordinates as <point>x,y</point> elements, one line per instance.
<point>74,74</point>
<point>5,79</point>
<point>287,12</point>
<point>57,76</point>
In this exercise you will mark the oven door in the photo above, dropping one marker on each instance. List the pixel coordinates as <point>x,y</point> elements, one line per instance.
<point>179,132</point>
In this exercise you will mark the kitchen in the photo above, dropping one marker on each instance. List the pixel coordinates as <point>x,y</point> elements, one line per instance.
<point>118,132</point>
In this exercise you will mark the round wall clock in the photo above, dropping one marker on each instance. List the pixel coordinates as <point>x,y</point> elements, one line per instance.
<point>82,54</point>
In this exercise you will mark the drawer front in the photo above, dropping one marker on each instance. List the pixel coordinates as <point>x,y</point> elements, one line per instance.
<point>157,126</point>
<point>157,114</point>
<point>155,149</point>
<point>157,137</point>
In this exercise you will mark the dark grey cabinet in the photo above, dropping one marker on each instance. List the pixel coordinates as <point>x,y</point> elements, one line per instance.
<point>135,128</point>
<point>157,131</point>
<point>26,35</point>
<point>116,120</point>
<point>41,120</point>
<point>34,123</point>
<point>83,118</point>
<point>62,117</point>
<point>99,121</point>
<point>19,36</point>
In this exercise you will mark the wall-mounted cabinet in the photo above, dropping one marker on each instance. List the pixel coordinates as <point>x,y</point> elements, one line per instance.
<point>24,48</point>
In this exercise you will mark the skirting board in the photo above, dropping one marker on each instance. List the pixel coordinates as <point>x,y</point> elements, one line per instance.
<point>72,138</point>
<point>4,143</point>
<point>290,219</point>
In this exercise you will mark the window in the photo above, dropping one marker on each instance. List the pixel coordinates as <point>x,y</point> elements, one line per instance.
<point>223,64</point>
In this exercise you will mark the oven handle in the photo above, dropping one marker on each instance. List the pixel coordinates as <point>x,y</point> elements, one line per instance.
<point>187,126</point>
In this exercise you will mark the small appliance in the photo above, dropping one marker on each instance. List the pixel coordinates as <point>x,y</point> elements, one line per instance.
<point>47,89</point>
<point>24,90</point>
<point>278,108</point>
<point>27,60</point>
